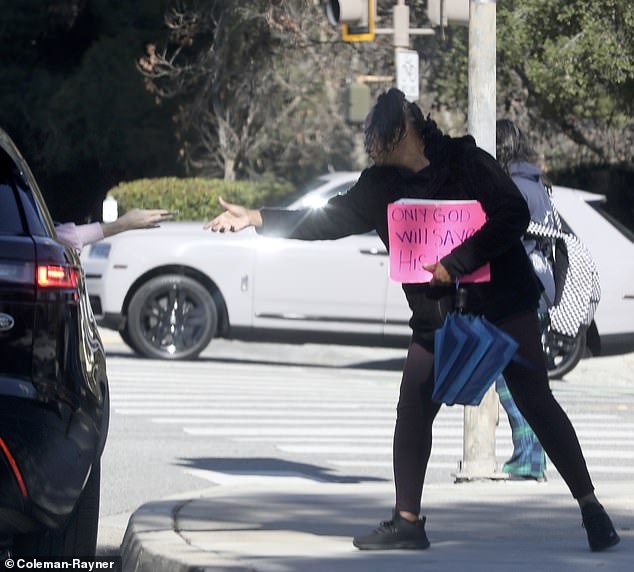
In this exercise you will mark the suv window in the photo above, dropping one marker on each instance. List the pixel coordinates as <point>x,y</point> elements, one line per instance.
<point>32,210</point>
<point>17,197</point>
<point>10,220</point>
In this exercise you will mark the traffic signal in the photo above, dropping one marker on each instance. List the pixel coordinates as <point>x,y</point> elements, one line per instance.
<point>358,102</point>
<point>356,16</point>
<point>443,12</point>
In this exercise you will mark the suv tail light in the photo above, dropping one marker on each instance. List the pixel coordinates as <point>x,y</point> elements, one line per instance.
<point>53,276</point>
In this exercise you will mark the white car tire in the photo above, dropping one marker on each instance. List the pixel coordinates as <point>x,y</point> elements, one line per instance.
<point>171,317</point>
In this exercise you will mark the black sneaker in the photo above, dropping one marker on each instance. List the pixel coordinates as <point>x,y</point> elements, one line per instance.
<point>599,527</point>
<point>396,534</point>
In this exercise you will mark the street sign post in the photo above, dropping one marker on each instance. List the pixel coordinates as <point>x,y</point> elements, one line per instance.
<point>407,76</point>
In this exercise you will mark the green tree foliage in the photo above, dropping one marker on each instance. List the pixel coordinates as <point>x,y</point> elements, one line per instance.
<point>564,69</point>
<point>74,101</point>
<point>576,62</point>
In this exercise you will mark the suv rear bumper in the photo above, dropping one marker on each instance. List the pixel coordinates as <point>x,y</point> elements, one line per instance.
<point>53,449</point>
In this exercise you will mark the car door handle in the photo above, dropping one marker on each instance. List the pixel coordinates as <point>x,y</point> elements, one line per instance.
<point>373,252</point>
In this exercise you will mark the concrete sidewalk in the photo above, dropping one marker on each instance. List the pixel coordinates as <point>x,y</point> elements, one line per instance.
<point>288,524</point>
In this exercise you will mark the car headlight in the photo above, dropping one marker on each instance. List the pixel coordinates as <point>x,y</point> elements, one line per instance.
<point>99,250</point>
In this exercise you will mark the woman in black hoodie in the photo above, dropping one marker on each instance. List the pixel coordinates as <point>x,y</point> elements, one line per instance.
<point>413,159</point>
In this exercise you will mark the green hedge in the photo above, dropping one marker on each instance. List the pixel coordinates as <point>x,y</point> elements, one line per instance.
<point>196,198</point>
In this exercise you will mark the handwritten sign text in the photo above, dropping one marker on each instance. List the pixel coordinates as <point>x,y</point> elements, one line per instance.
<point>422,232</point>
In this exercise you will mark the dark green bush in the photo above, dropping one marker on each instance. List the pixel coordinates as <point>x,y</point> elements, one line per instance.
<point>196,198</point>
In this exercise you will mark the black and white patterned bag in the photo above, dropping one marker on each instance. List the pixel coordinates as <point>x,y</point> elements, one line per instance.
<point>577,285</point>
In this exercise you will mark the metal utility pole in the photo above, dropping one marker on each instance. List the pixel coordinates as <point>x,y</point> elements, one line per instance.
<point>478,460</point>
<point>482,70</point>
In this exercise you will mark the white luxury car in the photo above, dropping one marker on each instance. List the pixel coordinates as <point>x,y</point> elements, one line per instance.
<point>169,291</point>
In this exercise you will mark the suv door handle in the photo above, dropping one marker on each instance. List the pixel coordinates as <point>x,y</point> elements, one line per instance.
<point>373,252</point>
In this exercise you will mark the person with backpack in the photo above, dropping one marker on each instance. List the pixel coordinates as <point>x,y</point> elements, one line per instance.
<point>414,159</point>
<point>516,157</point>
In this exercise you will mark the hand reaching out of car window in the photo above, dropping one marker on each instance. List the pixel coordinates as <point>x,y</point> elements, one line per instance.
<point>234,219</point>
<point>78,235</point>
<point>137,218</point>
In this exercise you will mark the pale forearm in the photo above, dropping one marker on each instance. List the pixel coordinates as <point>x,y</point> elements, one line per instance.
<point>136,218</point>
<point>77,236</point>
<point>112,228</point>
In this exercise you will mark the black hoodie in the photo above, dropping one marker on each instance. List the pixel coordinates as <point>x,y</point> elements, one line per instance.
<point>457,170</point>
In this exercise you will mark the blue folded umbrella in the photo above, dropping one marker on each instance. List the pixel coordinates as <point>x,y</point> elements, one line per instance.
<point>470,354</point>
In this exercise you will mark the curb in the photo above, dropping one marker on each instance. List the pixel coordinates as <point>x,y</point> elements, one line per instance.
<point>151,544</point>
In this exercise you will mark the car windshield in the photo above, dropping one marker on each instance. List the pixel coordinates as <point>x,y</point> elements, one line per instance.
<point>302,190</point>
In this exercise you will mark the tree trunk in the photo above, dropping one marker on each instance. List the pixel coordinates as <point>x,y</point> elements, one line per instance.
<point>230,169</point>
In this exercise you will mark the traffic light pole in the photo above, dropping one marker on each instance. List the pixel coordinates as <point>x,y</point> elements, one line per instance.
<point>401,30</point>
<point>406,61</point>
<point>478,460</point>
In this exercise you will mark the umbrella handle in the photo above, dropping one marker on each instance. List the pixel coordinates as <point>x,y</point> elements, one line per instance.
<point>461,300</point>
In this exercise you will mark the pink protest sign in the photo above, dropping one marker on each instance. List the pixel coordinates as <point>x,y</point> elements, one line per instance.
<point>422,232</point>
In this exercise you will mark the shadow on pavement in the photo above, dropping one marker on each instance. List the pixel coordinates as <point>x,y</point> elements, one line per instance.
<point>270,467</point>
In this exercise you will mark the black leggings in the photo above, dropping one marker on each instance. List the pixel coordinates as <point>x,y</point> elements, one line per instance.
<point>530,390</point>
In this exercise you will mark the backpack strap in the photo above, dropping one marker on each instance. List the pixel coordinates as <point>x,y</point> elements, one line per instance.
<point>541,230</point>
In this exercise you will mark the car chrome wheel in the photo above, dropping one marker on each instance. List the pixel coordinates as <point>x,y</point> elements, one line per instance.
<point>562,352</point>
<point>171,317</point>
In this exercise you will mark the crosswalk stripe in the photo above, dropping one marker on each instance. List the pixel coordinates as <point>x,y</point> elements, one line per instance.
<point>593,469</point>
<point>194,395</point>
<point>283,431</point>
<point>456,438</point>
<point>249,411</point>
<point>436,451</point>
<point>262,432</point>
<point>256,417</point>
<point>296,378</point>
<point>265,402</point>
<point>359,416</point>
<point>360,450</point>
<point>386,464</point>
<point>374,437</point>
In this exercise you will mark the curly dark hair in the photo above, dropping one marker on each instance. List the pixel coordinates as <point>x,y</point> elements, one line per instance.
<point>386,123</point>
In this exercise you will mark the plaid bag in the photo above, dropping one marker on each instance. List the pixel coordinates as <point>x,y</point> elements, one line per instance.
<point>577,286</point>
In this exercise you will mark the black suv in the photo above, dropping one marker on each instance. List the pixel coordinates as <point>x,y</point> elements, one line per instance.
<point>53,385</point>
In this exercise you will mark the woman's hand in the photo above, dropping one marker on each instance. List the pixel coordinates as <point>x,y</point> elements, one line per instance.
<point>440,276</point>
<point>234,219</point>
<point>137,218</point>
